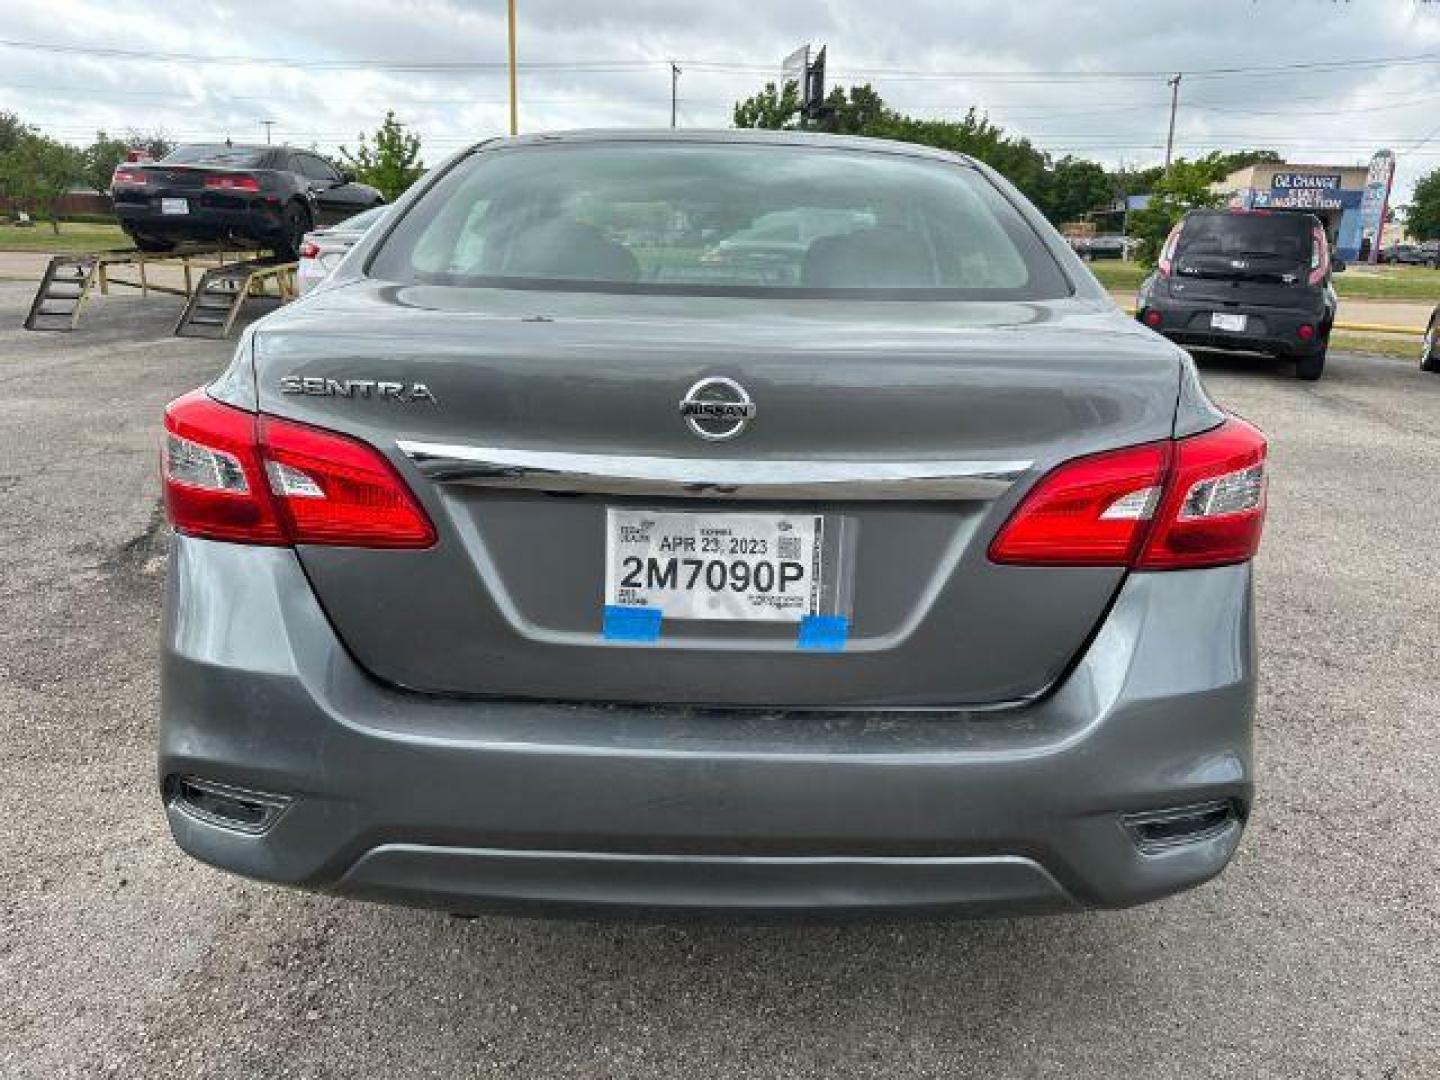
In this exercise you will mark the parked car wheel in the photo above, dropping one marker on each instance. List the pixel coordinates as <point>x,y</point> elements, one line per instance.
<point>1312,367</point>
<point>1430,350</point>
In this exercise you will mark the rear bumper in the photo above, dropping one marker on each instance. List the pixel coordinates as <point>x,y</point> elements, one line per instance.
<point>252,219</point>
<point>1268,330</point>
<point>471,805</point>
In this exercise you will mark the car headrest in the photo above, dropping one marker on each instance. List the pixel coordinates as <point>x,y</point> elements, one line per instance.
<point>570,249</point>
<point>877,258</point>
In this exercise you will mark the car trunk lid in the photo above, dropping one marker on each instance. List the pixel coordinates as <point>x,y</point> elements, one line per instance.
<point>529,423</point>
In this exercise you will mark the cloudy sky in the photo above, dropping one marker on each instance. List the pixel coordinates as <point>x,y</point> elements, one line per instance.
<point>1320,80</point>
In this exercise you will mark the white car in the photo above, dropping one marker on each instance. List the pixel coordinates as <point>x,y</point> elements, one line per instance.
<point>322,250</point>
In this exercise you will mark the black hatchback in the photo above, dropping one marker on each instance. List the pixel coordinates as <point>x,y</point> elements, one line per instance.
<point>1250,280</point>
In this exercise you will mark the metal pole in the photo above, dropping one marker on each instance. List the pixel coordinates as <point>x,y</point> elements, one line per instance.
<point>1174,85</point>
<point>268,125</point>
<point>514,104</point>
<point>674,89</point>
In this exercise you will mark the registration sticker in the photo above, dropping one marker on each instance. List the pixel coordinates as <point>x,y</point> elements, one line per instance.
<point>734,567</point>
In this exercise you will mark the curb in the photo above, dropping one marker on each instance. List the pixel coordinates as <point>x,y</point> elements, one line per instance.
<point>1378,328</point>
<point>1352,327</point>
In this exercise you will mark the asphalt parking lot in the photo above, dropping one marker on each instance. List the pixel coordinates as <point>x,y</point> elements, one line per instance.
<point>1316,955</point>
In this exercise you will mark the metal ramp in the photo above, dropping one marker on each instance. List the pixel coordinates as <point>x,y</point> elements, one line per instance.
<point>62,293</point>
<point>70,280</point>
<point>216,302</point>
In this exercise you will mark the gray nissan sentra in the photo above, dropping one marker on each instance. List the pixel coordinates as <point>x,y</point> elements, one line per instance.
<point>558,554</point>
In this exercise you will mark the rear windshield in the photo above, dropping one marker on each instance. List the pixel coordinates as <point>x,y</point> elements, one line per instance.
<point>1280,236</point>
<point>720,219</point>
<point>238,157</point>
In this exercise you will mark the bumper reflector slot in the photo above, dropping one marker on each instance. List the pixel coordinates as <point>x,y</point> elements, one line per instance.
<point>1162,829</point>
<point>226,806</point>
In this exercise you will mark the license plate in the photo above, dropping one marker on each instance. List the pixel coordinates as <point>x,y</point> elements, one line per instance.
<point>174,206</point>
<point>1222,321</point>
<point>737,567</point>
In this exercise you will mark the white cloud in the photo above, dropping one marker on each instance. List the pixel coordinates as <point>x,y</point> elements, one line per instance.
<point>1334,112</point>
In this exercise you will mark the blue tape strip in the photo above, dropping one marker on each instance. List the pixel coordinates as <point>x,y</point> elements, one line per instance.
<point>631,623</point>
<point>825,633</point>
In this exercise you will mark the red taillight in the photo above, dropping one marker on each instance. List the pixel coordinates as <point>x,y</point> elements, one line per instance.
<point>1088,512</point>
<point>232,182</point>
<point>231,475</point>
<point>1305,332</point>
<point>210,467</point>
<point>333,489</point>
<point>122,175</point>
<point>1153,318</point>
<point>309,250</point>
<point>1214,505</point>
<point>1172,505</point>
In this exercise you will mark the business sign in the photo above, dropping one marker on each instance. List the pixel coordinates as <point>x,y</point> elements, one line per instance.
<point>1305,181</point>
<point>1298,199</point>
<point>1374,202</point>
<point>794,67</point>
<point>1300,191</point>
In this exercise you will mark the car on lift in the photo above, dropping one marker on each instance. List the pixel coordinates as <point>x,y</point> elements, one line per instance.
<point>252,196</point>
<point>1247,280</point>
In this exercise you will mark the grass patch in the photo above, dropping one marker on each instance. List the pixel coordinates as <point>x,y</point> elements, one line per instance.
<point>74,236</point>
<point>1119,276</point>
<point>1390,283</point>
<point>1356,283</point>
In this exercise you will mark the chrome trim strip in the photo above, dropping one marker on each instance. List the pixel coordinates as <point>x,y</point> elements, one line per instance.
<point>610,474</point>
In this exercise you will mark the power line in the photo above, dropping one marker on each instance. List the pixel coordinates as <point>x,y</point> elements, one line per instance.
<point>329,65</point>
<point>736,66</point>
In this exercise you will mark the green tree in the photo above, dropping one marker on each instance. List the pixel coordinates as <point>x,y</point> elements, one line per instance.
<point>11,129</point>
<point>1060,192</point>
<point>1184,186</point>
<point>1422,219</point>
<point>99,160</point>
<point>1075,187</point>
<point>38,172</point>
<point>1225,164</point>
<point>772,108</point>
<point>857,111</point>
<point>391,162</point>
<point>102,155</point>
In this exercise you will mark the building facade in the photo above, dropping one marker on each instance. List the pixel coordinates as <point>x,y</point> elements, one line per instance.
<point>1349,199</point>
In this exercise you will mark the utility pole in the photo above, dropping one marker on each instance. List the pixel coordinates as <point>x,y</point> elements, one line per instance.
<point>268,125</point>
<point>1174,85</point>
<point>674,89</point>
<point>514,104</point>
